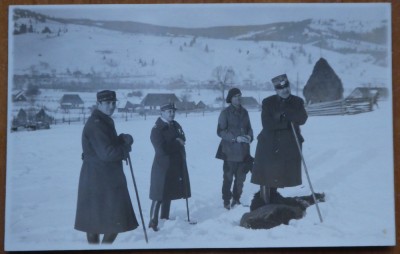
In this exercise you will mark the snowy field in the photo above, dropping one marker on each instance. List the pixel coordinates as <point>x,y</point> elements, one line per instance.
<point>349,158</point>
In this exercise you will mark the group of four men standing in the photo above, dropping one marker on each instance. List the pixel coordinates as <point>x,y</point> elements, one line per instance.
<point>104,206</point>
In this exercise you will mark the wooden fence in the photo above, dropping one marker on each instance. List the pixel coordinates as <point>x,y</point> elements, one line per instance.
<point>68,120</point>
<point>347,106</point>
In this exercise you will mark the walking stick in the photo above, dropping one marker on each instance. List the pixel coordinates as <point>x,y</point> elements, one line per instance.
<point>187,209</point>
<point>185,187</point>
<point>137,197</point>
<point>305,169</point>
<point>187,203</point>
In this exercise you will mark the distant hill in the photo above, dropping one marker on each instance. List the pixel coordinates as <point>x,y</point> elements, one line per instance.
<point>301,32</point>
<point>53,51</point>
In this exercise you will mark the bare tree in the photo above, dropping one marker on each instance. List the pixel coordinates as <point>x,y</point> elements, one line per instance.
<point>224,76</point>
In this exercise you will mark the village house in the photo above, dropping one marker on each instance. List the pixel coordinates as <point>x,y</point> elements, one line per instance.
<point>250,103</point>
<point>71,101</point>
<point>153,101</point>
<point>19,96</point>
<point>186,105</point>
<point>374,93</point>
<point>129,107</point>
<point>201,105</point>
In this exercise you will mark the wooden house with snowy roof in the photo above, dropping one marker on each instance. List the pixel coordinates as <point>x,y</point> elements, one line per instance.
<point>71,101</point>
<point>153,101</point>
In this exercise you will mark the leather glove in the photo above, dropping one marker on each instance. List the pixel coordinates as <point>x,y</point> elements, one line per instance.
<point>125,152</point>
<point>248,137</point>
<point>242,139</point>
<point>278,115</point>
<point>128,139</point>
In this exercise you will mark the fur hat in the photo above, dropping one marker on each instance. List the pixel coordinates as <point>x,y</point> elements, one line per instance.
<point>280,81</point>
<point>232,92</point>
<point>106,95</point>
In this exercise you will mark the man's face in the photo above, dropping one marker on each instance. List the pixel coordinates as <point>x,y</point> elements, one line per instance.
<point>236,100</point>
<point>107,107</point>
<point>283,92</point>
<point>168,115</point>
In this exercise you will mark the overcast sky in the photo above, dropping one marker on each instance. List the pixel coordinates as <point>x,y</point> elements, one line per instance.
<point>206,15</point>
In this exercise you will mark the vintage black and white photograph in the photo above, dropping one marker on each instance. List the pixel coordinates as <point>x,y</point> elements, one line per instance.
<point>196,126</point>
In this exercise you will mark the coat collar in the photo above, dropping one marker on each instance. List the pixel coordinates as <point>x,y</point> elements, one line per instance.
<point>102,116</point>
<point>160,123</point>
<point>279,99</point>
<point>235,109</point>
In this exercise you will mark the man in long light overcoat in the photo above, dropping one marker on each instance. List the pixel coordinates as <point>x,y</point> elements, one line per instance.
<point>104,205</point>
<point>277,161</point>
<point>169,173</point>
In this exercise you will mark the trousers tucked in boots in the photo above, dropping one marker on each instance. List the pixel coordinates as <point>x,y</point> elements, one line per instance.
<point>154,211</point>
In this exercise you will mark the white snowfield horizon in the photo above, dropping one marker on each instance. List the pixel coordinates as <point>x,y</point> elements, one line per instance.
<point>349,158</point>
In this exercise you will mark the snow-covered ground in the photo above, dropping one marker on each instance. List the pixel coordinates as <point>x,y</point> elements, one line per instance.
<point>349,158</point>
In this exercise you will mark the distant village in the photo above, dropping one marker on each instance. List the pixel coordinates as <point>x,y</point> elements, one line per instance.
<point>323,96</point>
<point>362,99</point>
<point>29,117</point>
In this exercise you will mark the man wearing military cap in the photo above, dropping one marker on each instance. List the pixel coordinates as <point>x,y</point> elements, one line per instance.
<point>169,173</point>
<point>104,205</point>
<point>277,162</point>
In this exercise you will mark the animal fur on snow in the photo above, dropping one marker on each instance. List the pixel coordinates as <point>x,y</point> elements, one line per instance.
<point>281,211</point>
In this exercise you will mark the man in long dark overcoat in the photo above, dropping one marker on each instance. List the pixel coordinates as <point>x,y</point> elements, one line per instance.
<point>169,173</point>
<point>104,205</point>
<point>277,161</point>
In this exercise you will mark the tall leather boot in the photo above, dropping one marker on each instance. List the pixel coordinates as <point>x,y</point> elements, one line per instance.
<point>165,207</point>
<point>265,194</point>
<point>109,238</point>
<point>93,238</point>
<point>154,211</point>
<point>275,196</point>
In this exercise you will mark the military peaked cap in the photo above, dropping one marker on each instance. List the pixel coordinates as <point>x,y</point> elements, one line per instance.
<point>280,81</point>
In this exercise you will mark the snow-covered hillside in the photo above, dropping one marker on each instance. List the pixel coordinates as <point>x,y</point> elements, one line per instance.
<point>348,25</point>
<point>349,158</point>
<point>151,59</point>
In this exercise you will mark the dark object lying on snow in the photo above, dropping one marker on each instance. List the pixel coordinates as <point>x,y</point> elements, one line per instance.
<point>280,211</point>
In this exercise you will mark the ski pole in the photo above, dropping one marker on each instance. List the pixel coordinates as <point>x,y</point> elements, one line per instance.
<point>306,170</point>
<point>137,197</point>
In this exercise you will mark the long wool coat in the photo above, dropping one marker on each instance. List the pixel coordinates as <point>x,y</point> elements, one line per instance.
<point>104,205</point>
<point>233,122</point>
<point>277,161</point>
<point>169,174</point>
